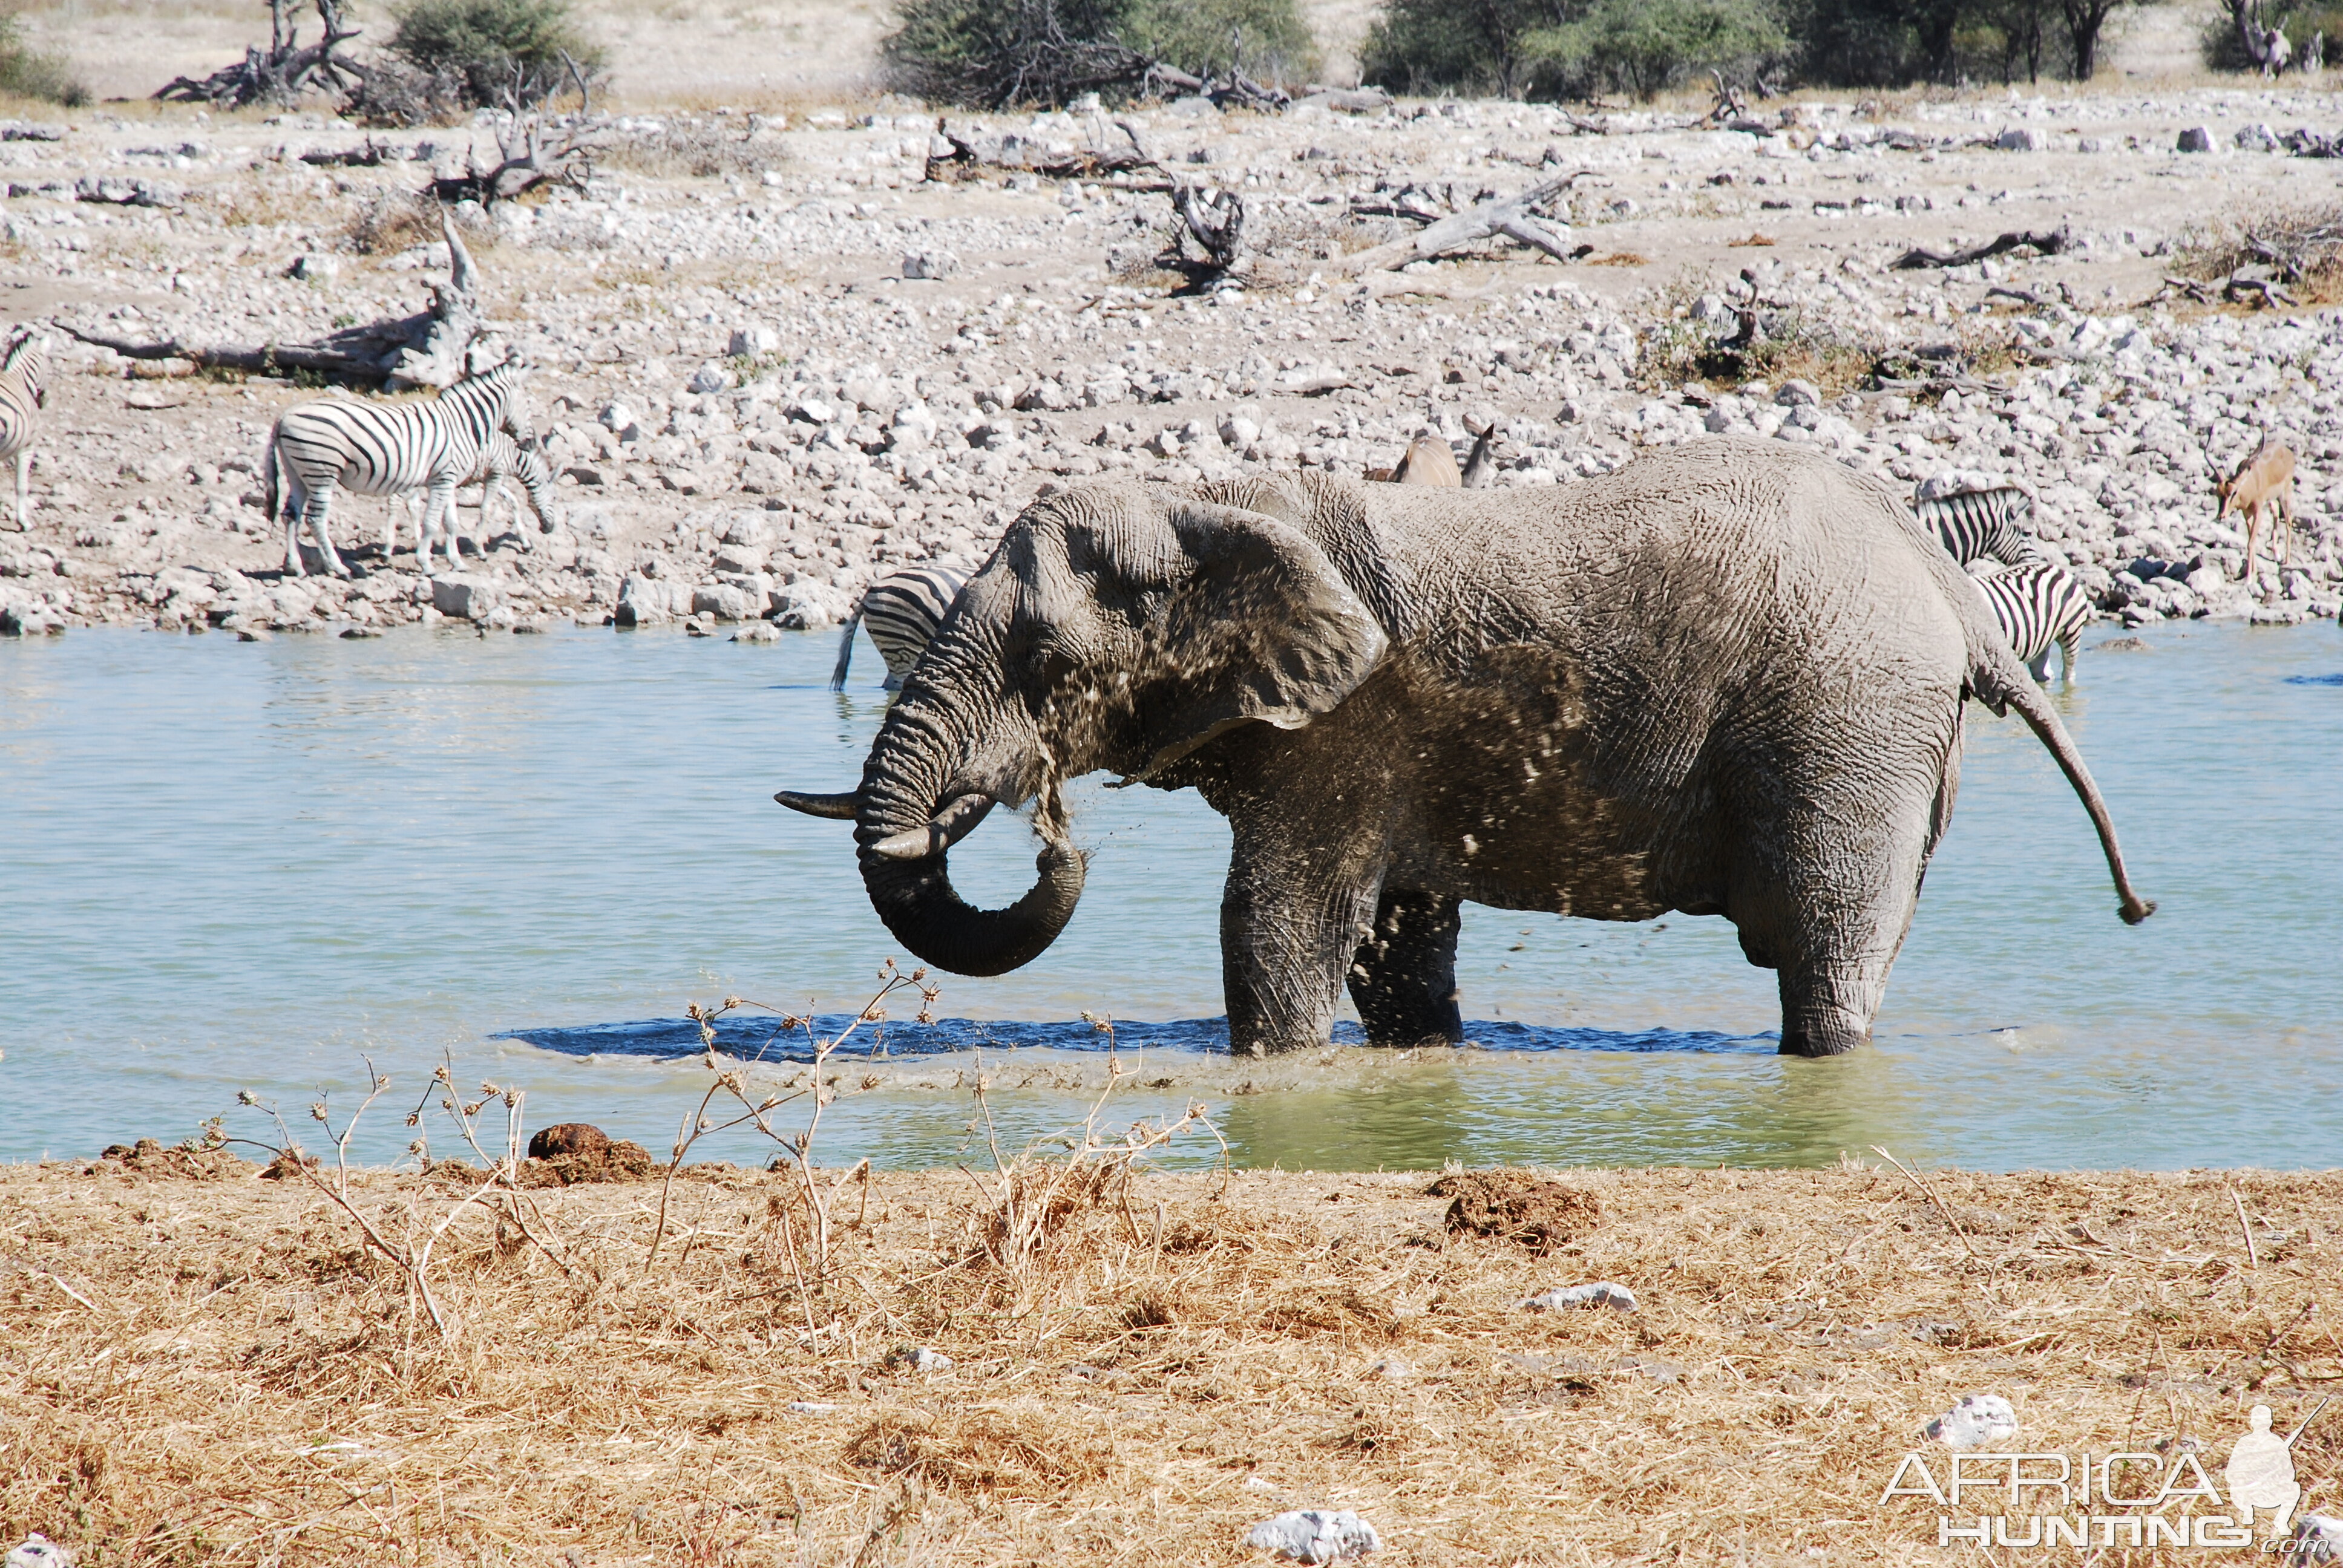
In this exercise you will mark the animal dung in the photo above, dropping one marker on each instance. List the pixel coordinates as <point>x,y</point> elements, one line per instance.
<point>37,1551</point>
<point>918,1359</point>
<point>1601,1293</point>
<point>1978,1420</point>
<point>1314,1535</point>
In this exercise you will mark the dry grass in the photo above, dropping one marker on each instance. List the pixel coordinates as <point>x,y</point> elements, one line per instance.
<point>200,1367</point>
<point>2300,245</point>
<point>700,150</point>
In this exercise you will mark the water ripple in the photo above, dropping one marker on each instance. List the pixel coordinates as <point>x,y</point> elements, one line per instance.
<point>753,1038</point>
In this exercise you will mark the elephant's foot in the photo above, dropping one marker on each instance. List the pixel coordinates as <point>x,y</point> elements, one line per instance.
<point>1404,976</point>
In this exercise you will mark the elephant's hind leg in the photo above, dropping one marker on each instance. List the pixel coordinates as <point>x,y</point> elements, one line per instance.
<point>1404,976</point>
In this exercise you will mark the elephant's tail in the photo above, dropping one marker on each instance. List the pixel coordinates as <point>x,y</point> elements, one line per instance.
<point>845,651</point>
<point>1997,679</point>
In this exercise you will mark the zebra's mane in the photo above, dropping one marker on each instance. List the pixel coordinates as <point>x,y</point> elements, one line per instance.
<point>25,346</point>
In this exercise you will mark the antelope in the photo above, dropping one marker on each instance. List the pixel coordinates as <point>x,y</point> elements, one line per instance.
<point>2265,476</point>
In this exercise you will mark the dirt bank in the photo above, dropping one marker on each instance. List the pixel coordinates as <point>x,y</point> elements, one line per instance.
<point>217,1370</point>
<point>774,360</point>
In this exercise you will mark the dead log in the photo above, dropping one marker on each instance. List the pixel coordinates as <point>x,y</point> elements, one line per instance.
<point>2050,243</point>
<point>1215,220</point>
<point>1509,216</point>
<point>523,164</point>
<point>373,154</point>
<point>435,348</point>
<point>282,74</point>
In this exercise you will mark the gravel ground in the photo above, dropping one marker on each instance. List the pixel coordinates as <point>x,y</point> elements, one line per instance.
<point>754,411</point>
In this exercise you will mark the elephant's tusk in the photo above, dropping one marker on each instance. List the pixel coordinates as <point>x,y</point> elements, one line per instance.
<point>839,806</point>
<point>948,828</point>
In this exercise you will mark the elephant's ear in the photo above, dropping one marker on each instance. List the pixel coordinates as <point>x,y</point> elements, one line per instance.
<point>1262,628</point>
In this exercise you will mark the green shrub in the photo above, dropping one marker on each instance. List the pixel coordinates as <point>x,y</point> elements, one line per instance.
<point>495,50</point>
<point>994,53</point>
<point>1441,45</point>
<point>1645,46</point>
<point>29,74</point>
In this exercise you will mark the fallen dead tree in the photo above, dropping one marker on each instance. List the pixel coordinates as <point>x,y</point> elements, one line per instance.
<point>284,72</point>
<point>953,156</point>
<point>1512,217</point>
<point>435,348</point>
<point>523,163</point>
<point>2049,243</point>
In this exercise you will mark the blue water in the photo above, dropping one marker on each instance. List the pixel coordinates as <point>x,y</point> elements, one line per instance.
<point>228,866</point>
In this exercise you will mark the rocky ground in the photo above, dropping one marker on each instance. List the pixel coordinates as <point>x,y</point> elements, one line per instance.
<point>756,402</point>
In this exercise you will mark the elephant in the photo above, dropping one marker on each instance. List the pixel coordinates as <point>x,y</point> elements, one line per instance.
<point>1727,678</point>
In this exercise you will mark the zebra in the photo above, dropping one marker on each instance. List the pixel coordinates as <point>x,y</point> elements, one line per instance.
<point>24,393</point>
<point>501,458</point>
<point>902,610</point>
<point>1978,523</point>
<point>2038,605</point>
<point>381,449</point>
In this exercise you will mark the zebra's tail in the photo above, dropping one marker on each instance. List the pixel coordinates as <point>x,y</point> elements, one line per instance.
<point>845,651</point>
<point>2000,681</point>
<point>269,471</point>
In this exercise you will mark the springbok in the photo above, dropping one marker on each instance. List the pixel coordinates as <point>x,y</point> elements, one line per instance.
<point>2266,476</point>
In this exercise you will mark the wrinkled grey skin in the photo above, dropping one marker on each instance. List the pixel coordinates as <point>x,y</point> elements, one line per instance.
<point>1726,680</point>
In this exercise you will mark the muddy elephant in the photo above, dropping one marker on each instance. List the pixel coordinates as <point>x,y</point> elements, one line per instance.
<point>1726,680</point>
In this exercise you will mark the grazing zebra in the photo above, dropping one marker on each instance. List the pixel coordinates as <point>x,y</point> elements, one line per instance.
<point>1978,523</point>
<point>2038,605</point>
<point>379,449</point>
<point>24,393</point>
<point>902,612</point>
<point>501,458</point>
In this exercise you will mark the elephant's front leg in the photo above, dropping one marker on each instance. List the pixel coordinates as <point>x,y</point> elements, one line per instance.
<point>1404,976</point>
<point>1291,919</point>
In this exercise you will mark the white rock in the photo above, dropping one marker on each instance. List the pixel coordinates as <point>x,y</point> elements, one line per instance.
<point>316,268</point>
<point>1314,1535</point>
<point>1979,1420</point>
<point>711,378</point>
<point>930,264</point>
<point>464,596</point>
<point>722,600</point>
<point>2196,140</point>
<point>757,631</point>
<point>2316,1538</point>
<point>1798,393</point>
<point>2022,139</point>
<point>752,340</point>
<point>2257,138</point>
<point>617,418</point>
<point>919,1359</point>
<point>1601,1293</point>
<point>37,1551</point>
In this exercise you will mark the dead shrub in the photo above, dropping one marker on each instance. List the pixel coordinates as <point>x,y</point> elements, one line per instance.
<point>2299,246</point>
<point>1534,1212</point>
<point>988,1449</point>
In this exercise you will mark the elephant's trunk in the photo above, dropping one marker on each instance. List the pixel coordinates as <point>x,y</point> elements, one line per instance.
<point>907,799</point>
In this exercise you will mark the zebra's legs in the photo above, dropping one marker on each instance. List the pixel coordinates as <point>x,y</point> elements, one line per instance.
<point>298,502</point>
<point>1404,976</point>
<point>2070,645</point>
<point>24,467</point>
<point>321,501</point>
<point>438,515</point>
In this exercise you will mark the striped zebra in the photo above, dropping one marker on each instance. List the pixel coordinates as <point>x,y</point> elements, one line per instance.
<point>379,449</point>
<point>2039,604</point>
<point>902,610</point>
<point>24,393</point>
<point>1978,523</point>
<point>501,459</point>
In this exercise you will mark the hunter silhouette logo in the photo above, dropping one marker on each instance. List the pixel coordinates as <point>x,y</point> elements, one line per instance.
<point>2124,1499</point>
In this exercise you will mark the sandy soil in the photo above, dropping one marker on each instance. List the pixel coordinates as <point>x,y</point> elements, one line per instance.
<point>1139,1367</point>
